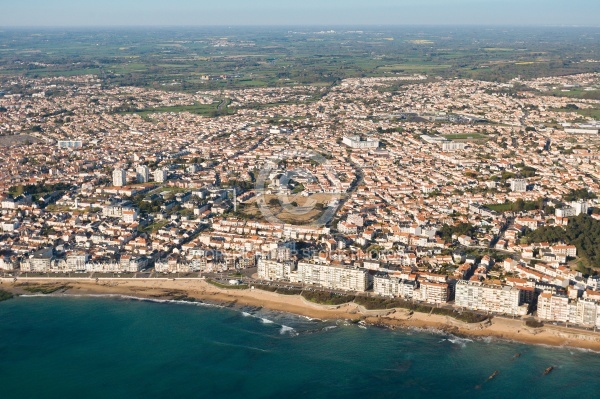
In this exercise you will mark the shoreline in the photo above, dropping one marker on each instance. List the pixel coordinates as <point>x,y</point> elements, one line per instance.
<point>198,289</point>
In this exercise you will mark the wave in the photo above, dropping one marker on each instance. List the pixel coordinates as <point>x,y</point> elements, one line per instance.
<point>266,321</point>
<point>487,340</point>
<point>288,330</point>
<point>310,318</point>
<point>122,296</point>
<point>462,342</point>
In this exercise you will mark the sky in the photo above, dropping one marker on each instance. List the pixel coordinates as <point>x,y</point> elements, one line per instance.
<point>297,12</point>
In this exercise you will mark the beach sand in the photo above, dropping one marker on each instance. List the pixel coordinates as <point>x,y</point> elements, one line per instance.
<point>498,327</point>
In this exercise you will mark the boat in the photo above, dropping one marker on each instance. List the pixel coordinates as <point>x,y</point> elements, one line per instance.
<point>516,356</point>
<point>548,370</point>
<point>493,375</point>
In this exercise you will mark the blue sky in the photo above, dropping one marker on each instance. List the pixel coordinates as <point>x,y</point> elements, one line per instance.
<point>298,12</point>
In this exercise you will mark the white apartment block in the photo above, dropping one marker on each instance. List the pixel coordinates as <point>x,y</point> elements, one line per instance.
<point>7,264</point>
<point>119,177</point>
<point>273,270</point>
<point>160,175</point>
<point>128,214</point>
<point>553,307</point>
<point>70,143</point>
<point>142,174</point>
<point>391,286</point>
<point>356,142</point>
<point>580,207</point>
<point>558,308</point>
<point>433,292</point>
<point>452,145</point>
<point>76,261</point>
<point>518,185</point>
<point>336,277</point>
<point>489,298</point>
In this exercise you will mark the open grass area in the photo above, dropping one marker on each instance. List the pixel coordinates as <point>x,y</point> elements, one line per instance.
<point>210,110</point>
<point>153,228</point>
<point>465,136</point>
<point>227,286</point>
<point>501,207</point>
<point>592,113</point>
<point>577,92</point>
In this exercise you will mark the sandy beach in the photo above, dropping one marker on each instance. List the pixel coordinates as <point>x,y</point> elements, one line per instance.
<point>498,327</point>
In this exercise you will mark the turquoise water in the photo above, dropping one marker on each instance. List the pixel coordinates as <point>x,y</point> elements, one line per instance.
<point>121,348</point>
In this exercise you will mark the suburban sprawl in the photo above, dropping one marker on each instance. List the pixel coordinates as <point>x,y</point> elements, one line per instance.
<point>453,192</point>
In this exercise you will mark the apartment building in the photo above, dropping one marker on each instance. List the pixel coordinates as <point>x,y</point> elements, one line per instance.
<point>474,295</point>
<point>433,292</point>
<point>357,142</point>
<point>274,270</point>
<point>553,307</point>
<point>334,276</point>
<point>142,174</point>
<point>393,286</point>
<point>119,177</point>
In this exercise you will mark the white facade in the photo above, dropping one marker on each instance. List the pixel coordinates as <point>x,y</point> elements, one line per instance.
<point>433,292</point>
<point>558,308</point>
<point>142,174</point>
<point>518,185</point>
<point>390,286</point>
<point>356,142</point>
<point>70,144</point>
<point>553,307</point>
<point>119,178</point>
<point>580,207</point>
<point>336,277</point>
<point>273,270</point>
<point>452,146</point>
<point>76,261</point>
<point>160,175</point>
<point>489,298</point>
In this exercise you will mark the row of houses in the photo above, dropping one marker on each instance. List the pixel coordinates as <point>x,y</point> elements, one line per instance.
<point>44,261</point>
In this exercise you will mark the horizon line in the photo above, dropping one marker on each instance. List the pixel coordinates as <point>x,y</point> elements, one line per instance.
<point>308,25</point>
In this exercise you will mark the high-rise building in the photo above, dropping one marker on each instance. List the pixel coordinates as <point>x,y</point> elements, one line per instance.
<point>490,298</point>
<point>553,307</point>
<point>142,174</point>
<point>518,185</point>
<point>336,276</point>
<point>70,143</point>
<point>579,207</point>
<point>119,177</point>
<point>160,175</point>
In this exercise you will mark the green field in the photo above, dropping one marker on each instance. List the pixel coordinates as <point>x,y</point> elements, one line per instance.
<point>198,109</point>
<point>593,113</point>
<point>465,136</point>
<point>265,57</point>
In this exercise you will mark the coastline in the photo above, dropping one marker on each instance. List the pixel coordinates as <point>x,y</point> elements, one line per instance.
<point>198,289</point>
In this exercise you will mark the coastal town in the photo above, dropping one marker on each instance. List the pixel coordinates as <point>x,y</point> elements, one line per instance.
<point>457,193</point>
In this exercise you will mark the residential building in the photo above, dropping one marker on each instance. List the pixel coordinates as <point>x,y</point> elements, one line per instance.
<point>489,298</point>
<point>142,174</point>
<point>119,178</point>
<point>333,276</point>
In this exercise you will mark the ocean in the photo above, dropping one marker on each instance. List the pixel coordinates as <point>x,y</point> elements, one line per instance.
<point>82,347</point>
